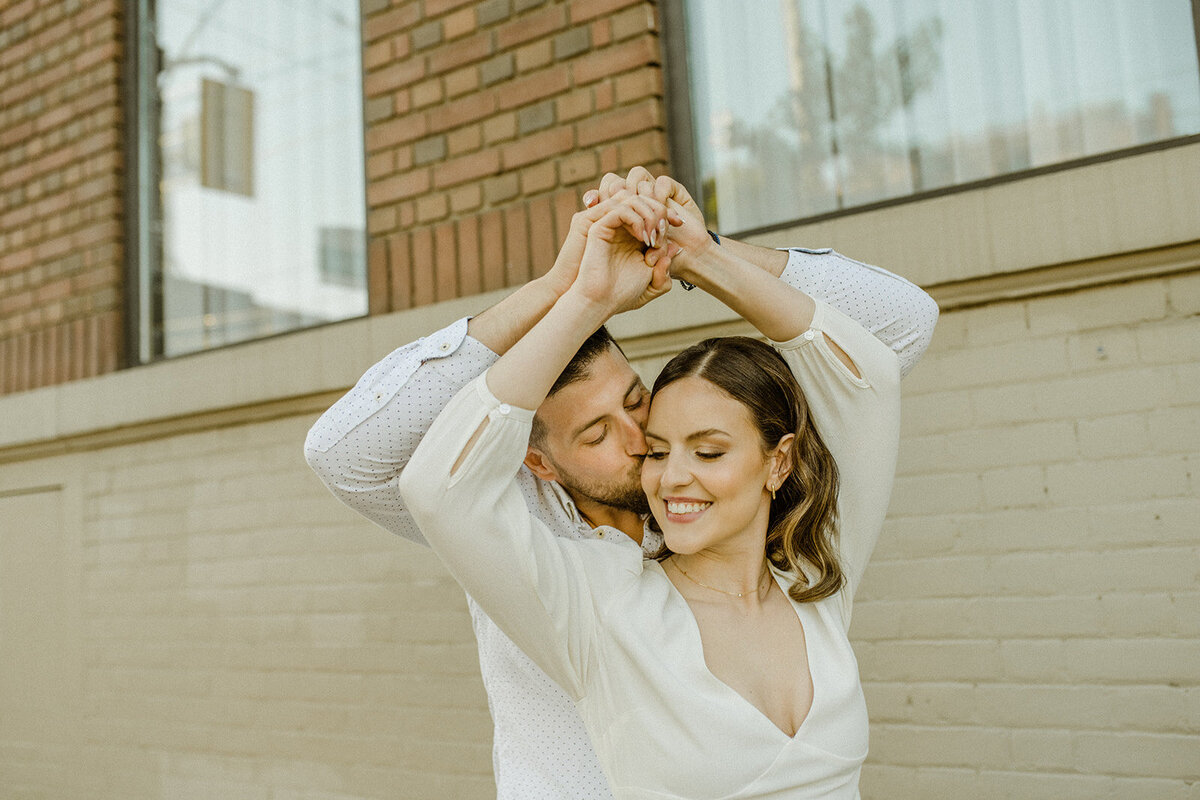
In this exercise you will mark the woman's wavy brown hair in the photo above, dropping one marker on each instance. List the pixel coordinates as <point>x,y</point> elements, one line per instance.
<point>802,527</point>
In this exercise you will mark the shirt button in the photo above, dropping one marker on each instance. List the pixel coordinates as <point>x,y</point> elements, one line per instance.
<point>504,408</point>
<point>810,335</point>
<point>444,346</point>
<point>379,396</point>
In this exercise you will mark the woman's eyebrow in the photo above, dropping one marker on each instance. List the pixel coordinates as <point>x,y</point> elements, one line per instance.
<point>707,432</point>
<point>704,434</point>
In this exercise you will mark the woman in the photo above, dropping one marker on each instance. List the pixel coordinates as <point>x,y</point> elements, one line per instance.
<point>697,676</point>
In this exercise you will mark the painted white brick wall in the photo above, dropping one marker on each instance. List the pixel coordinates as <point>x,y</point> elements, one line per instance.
<point>1029,627</point>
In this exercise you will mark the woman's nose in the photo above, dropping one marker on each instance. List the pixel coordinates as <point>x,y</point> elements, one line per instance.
<point>674,473</point>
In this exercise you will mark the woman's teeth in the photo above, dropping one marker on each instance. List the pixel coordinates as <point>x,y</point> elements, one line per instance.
<point>686,508</point>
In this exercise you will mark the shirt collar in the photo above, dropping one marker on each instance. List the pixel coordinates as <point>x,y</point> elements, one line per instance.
<point>651,539</point>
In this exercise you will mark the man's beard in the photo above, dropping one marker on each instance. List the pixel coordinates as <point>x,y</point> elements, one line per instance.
<point>625,494</point>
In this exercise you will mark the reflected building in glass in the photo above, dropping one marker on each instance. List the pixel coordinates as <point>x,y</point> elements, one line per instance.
<point>259,160</point>
<point>814,106</point>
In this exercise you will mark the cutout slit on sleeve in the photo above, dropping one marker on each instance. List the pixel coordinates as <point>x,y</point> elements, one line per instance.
<point>466,451</point>
<point>843,356</point>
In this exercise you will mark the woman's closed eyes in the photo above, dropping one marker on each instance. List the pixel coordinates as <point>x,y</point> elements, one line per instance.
<point>659,455</point>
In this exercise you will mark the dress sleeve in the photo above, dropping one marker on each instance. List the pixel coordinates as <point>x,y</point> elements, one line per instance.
<point>897,311</point>
<point>359,446</point>
<point>543,591</point>
<point>858,418</point>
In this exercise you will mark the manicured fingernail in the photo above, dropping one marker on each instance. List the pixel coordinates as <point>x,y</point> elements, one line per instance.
<point>654,237</point>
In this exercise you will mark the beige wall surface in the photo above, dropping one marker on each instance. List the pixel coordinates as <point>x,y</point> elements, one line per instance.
<point>188,614</point>
<point>1030,624</point>
<point>239,634</point>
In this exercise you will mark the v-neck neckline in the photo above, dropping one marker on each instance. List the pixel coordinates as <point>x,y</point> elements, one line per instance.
<point>725,687</point>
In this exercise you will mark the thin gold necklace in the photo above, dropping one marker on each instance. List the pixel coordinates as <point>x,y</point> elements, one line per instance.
<point>757,589</point>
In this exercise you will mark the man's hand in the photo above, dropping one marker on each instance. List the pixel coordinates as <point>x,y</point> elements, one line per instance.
<point>691,234</point>
<point>692,246</point>
<point>613,272</point>
<point>651,234</point>
<point>660,280</point>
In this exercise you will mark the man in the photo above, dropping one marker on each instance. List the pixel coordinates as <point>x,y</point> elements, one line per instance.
<point>581,474</point>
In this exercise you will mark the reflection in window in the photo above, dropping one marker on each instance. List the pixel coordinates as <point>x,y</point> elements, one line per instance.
<point>802,107</point>
<point>260,214</point>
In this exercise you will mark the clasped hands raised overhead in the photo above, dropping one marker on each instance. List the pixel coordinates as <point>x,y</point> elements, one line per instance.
<point>635,234</point>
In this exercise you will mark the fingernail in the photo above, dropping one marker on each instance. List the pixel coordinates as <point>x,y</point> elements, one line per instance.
<point>652,258</point>
<point>653,237</point>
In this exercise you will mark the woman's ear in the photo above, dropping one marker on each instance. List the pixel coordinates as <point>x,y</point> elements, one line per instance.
<point>781,460</point>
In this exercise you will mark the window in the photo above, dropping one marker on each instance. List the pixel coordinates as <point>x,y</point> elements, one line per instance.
<point>803,107</point>
<point>251,206</point>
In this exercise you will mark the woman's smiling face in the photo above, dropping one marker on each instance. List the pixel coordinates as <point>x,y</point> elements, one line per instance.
<point>706,473</point>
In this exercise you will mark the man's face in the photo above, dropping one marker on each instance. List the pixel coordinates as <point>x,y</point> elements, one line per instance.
<point>595,434</point>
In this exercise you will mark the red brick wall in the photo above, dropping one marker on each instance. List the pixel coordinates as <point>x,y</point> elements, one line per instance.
<point>485,122</point>
<point>61,272</point>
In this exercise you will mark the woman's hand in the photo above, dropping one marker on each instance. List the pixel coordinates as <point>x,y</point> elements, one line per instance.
<point>648,232</point>
<point>690,233</point>
<point>613,272</point>
<point>610,276</point>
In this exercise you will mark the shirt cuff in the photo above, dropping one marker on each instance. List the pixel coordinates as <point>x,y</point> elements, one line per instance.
<point>496,408</point>
<point>444,342</point>
<point>809,336</point>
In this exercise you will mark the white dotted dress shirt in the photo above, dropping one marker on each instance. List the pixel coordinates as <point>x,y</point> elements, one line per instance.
<point>362,443</point>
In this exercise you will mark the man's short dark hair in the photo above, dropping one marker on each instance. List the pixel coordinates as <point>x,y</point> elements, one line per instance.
<point>576,370</point>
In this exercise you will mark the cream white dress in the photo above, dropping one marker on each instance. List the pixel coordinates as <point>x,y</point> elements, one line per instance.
<point>612,630</point>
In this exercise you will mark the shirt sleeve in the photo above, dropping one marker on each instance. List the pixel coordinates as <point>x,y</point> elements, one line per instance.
<point>543,591</point>
<point>858,418</point>
<point>897,311</point>
<point>360,445</point>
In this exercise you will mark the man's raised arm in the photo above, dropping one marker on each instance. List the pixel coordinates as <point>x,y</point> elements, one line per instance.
<point>361,444</point>
<point>898,312</point>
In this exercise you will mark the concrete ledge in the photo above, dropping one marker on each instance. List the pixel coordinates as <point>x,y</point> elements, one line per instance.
<point>274,373</point>
<point>1126,205</point>
<point>1050,232</point>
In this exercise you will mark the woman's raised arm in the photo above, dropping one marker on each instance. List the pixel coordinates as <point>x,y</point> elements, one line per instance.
<point>850,379</point>
<point>460,484</point>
